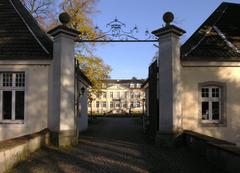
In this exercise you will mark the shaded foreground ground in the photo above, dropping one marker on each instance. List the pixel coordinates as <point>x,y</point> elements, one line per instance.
<point>114,145</point>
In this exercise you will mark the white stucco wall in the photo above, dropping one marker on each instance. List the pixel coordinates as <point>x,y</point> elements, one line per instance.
<point>36,101</point>
<point>83,108</point>
<point>169,83</point>
<point>191,77</point>
<point>146,90</point>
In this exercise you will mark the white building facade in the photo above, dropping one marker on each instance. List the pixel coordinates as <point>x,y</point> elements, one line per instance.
<point>41,86</point>
<point>198,82</point>
<point>119,97</point>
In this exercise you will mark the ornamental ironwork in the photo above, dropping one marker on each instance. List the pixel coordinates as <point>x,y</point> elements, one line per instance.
<point>116,32</point>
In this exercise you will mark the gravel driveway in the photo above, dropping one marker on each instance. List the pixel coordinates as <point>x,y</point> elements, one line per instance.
<point>114,145</point>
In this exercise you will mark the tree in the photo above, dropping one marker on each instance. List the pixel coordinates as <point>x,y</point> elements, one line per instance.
<point>80,11</point>
<point>95,69</point>
<point>40,9</point>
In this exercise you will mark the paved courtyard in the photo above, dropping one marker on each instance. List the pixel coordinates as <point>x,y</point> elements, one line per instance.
<point>114,145</point>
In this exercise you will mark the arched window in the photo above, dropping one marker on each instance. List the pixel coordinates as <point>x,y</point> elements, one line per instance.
<point>212,96</point>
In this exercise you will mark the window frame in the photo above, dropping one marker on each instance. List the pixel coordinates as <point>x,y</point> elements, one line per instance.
<point>125,94</point>
<point>13,89</point>
<point>223,116</point>
<point>111,105</point>
<point>104,104</point>
<point>117,105</point>
<point>138,85</point>
<point>104,95</point>
<point>111,94</point>
<point>131,85</point>
<point>97,104</point>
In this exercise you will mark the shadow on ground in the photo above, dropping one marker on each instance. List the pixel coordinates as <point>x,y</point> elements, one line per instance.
<point>114,145</point>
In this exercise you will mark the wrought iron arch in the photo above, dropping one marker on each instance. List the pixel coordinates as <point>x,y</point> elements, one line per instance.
<point>116,33</point>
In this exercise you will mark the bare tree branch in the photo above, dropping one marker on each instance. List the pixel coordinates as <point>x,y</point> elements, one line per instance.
<point>40,9</point>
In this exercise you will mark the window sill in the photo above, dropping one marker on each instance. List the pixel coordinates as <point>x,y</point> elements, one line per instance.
<point>12,122</point>
<point>212,124</point>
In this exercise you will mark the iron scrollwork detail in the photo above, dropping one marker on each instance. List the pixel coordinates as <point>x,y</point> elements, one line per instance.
<point>116,32</point>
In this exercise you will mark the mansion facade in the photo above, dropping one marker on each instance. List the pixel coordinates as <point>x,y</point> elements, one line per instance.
<point>118,97</point>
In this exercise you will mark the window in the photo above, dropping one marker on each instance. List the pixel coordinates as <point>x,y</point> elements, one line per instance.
<point>111,104</point>
<point>97,104</point>
<point>12,96</point>
<point>137,95</point>
<point>132,105</point>
<point>212,103</point>
<point>117,105</point>
<point>111,94</point>
<point>104,104</point>
<point>104,95</point>
<point>132,85</point>
<point>104,85</point>
<point>138,85</point>
<point>126,94</point>
<point>137,104</point>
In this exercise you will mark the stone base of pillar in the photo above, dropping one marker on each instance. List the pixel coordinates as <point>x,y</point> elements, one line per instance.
<point>63,138</point>
<point>169,139</point>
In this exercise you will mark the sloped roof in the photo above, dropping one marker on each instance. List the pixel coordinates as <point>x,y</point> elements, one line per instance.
<point>218,38</point>
<point>84,77</point>
<point>20,35</point>
<point>124,80</point>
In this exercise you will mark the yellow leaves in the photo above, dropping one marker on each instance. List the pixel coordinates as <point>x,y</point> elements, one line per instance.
<point>79,10</point>
<point>94,68</point>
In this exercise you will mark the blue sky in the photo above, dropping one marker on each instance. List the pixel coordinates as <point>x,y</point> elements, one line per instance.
<point>132,59</point>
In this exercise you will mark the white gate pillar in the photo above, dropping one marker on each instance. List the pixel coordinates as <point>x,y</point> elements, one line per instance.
<point>62,120</point>
<point>169,76</point>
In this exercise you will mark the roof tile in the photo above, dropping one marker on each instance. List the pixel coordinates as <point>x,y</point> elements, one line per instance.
<point>20,35</point>
<point>218,38</point>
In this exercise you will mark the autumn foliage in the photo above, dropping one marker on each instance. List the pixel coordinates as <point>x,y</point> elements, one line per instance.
<point>46,12</point>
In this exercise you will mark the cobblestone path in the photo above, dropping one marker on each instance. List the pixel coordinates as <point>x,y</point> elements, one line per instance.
<point>114,145</point>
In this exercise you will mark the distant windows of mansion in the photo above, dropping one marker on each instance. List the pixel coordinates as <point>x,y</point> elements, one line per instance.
<point>111,105</point>
<point>104,104</point>
<point>117,95</point>
<point>212,101</point>
<point>126,94</point>
<point>135,104</point>
<point>117,104</point>
<point>124,104</point>
<point>97,104</point>
<point>12,97</point>
<point>104,85</point>
<point>104,95</point>
<point>137,85</point>
<point>138,95</point>
<point>132,85</point>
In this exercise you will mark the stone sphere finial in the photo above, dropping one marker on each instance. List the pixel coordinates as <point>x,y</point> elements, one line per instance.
<point>64,18</point>
<point>168,18</point>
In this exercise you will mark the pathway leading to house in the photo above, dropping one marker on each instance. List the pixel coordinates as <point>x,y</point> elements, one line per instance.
<point>114,145</point>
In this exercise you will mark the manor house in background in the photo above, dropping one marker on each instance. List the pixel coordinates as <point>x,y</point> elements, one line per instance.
<point>118,97</point>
